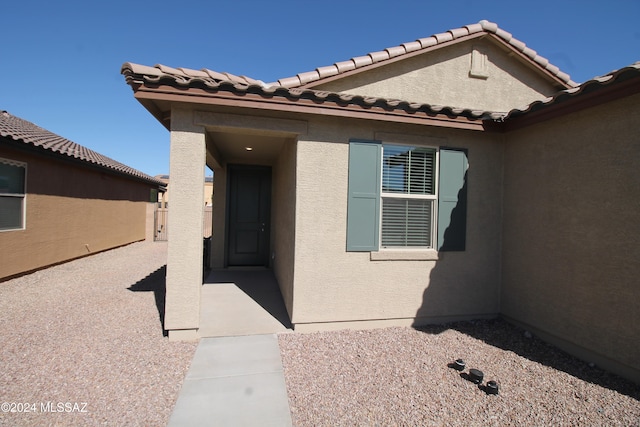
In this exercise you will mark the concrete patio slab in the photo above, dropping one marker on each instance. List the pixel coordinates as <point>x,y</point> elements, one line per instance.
<point>234,381</point>
<point>241,302</point>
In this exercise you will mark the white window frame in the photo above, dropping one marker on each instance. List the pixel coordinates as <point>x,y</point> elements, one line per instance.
<point>432,197</point>
<point>22,195</point>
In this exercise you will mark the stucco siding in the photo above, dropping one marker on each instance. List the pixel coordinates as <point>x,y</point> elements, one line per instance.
<point>71,212</point>
<point>442,77</point>
<point>333,285</point>
<point>185,245</point>
<point>283,221</point>
<point>571,241</point>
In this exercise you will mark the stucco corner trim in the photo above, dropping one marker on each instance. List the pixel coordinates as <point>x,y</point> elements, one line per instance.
<point>405,255</point>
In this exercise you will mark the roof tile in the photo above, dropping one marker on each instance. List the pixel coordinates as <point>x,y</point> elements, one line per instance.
<point>459,32</point>
<point>396,51</point>
<point>506,36</point>
<point>443,37</point>
<point>22,131</point>
<point>379,56</point>
<point>345,66</point>
<point>290,81</point>
<point>308,76</point>
<point>412,46</point>
<point>474,28</point>
<point>193,73</point>
<point>491,27</point>
<point>424,43</point>
<point>328,71</point>
<point>428,42</point>
<point>362,61</point>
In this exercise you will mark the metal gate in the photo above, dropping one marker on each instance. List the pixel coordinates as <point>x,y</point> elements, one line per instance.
<point>160,231</point>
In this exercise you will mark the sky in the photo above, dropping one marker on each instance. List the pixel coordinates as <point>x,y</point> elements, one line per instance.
<point>60,61</point>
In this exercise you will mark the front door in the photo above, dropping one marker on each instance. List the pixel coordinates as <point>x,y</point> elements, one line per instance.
<point>249,216</point>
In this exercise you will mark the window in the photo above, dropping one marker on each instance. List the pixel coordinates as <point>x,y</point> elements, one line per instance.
<point>406,197</point>
<point>12,194</point>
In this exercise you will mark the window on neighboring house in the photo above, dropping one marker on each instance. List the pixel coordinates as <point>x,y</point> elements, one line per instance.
<point>12,194</point>
<point>406,197</point>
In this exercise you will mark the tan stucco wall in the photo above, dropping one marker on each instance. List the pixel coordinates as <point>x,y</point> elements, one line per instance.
<point>185,245</point>
<point>571,246</point>
<point>441,77</point>
<point>332,285</point>
<point>218,235</point>
<point>71,212</point>
<point>283,211</point>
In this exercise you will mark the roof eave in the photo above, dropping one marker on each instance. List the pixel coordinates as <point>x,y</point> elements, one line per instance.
<point>166,93</point>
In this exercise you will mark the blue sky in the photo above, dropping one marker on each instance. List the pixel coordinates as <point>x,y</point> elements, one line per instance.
<point>61,60</point>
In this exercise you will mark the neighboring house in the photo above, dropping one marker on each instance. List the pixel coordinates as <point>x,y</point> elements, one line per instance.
<point>410,186</point>
<point>60,200</point>
<point>163,199</point>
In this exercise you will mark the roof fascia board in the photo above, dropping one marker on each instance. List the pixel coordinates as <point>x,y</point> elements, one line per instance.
<point>572,104</point>
<point>301,106</point>
<point>413,54</point>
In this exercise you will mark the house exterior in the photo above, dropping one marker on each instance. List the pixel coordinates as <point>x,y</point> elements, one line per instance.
<point>455,177</point>
<point>60,200</point>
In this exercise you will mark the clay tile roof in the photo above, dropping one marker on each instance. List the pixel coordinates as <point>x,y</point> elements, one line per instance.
<point>185,75</point>
<point>597,83</point>
<point>22,131</point>
<point>424,43</point>
<point>221,82</point>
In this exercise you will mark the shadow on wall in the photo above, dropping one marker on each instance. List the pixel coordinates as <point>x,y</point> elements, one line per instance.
<point>455,289</point>
<point>156,283</point>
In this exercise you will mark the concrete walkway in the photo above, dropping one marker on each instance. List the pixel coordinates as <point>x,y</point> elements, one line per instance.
<point>236,376</point>
<point>234,381</point>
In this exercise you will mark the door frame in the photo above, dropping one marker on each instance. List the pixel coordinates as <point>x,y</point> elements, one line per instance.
<point>234,168</point>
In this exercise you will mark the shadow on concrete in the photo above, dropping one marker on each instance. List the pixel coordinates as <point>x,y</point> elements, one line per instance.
<point>506,336</point>
<point>155,282</point>
<point>259,285</point>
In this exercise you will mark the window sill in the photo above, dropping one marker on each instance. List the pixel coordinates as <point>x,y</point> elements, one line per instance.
<point>405,255</point>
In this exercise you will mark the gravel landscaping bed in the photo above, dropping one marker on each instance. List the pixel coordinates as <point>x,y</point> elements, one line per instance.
<point>401,376</point>
<point>85,338</point>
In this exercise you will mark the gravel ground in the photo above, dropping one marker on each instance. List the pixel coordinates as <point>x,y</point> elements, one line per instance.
<point>401,376</point>
<point>89,332</point>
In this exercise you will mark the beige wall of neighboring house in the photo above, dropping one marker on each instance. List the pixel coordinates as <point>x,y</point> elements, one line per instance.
<point>163,198</point>
<point>477,74</point>
<point>571,245</point>
<point>71,211</point>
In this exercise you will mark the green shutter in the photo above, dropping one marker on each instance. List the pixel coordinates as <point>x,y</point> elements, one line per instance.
<point>363,210</point>
<point>452,200</point>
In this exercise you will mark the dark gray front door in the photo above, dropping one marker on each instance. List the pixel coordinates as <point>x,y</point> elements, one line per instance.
<point>249,209</point>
